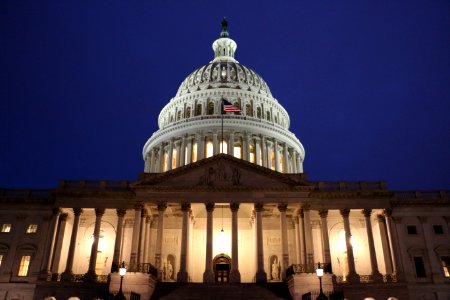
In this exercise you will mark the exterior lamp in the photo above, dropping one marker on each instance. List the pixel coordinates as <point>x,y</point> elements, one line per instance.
<point>319,273</point>
<point>122,272</point>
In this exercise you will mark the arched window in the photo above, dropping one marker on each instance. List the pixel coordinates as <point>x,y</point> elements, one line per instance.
<point>209,149</point>
<point>210,108</point>
<point>248,110</point>
<point>237,150</point>
<point>194,152</point>
<point>198,110</point>
<point>268,116</point>
<point>179,115</point>
<point>188,113</point>
<point>258,112</point>
<point>276,120</point>
<point>223,147</point>
<point>252,153</point>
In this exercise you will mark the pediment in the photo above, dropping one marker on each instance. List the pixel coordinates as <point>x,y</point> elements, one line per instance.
<point>222,172</point>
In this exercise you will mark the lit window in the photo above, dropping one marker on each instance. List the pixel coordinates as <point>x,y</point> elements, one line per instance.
<point>194,153</point>
<point>237,151</point>
<point>224,147</point>
<point>164,166</point>
<point>445,261</point>
<point>24,264</point>
<point>1,259</point>
<point>174,158</point>
<point>6,227</point>
<point>420,267</point>
<point>209,149</point>
<point>281,158</point>
<point>32,228</point>
<point>438,229</point>
<point>411,229</point>
<point>252,153</point>
<point>272,159</point>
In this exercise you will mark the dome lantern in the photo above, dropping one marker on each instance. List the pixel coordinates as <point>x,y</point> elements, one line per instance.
<point>224,47</point>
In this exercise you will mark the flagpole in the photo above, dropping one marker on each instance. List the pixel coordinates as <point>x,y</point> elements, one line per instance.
<point>221,113</point>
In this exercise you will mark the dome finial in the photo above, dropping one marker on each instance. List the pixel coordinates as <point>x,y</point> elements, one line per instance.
<point>224,33</point>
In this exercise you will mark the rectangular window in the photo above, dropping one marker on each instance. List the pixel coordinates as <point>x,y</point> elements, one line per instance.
<point>411,229</point>
<point>438,229</point>
<point>445,261</point>
<point>24,264</point>
<point>32,228</point>
<point>6,227</point>
<point>420,267</point>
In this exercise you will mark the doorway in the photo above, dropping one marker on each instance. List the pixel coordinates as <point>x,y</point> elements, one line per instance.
<point>222,266</point>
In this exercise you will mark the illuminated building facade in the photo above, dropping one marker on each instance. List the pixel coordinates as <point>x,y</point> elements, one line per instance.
<point>223,199</point>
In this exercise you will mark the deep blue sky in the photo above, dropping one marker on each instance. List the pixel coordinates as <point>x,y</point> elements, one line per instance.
<point>366,83</point>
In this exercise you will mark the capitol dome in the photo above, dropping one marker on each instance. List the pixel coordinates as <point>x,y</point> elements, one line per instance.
<point>192,126</point>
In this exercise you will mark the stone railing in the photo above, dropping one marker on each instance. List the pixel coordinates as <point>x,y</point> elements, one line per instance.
<point>387,278</point>
<point>147,268</point>
<point>94,184</point>
<point>422,194</point>
<point>25,193</point>
<point>349,185</point>
<point>79,278</point>
<point>300,268</point>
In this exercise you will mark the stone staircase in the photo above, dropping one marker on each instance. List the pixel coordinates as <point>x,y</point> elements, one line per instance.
<point>247,291</point>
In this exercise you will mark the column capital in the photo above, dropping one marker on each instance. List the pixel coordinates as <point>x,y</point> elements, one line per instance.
<point>99,212</point>
<point>323,213</point>
<point>345,212</point>
<point>148,219</point>
<point>234,206</point>
<point>367,212</point>
<point>259,207</point>
<point>381,218</point>
<point>63,217</point>
<point>185,206</point>
<point>121,212</point>
<point>388,212</point>
<point>209,206</point>
<point>138,206</point>
<point>77,211</point>
<point>162,206</point>
<point>282,207</point>
<point>144,213</point>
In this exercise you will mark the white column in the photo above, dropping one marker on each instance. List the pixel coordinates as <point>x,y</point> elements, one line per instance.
<point>208,275</point>
<point>245,147</point>
<point>135,240</point>
<point>293,164</point>
<point>67,274</point>
<point>152,161</point>
<point>376,276</point>
<point>189,150</point>
<point>436,273</point>
<point>91,275</point>
<point>59,243</point>
<point>169,156</point>
<point>309,246</point>
<point>277,156</point>
<point>182,275</point>
<point>148,162</point>
<point>301,230</point>
<point>264,151</point>
<point>297,240</point>
<point>160,166</point>
<point>286,159</point>
<point>183,151</point>
<point>395,251</point>
<point>201,146</point>
<point>261,275</point>
<point>258,151</point>
<point>215,143</point>
<point>159,237</point>
<point>142,233</point>
<point>235,275</point>
<point>325,240</point>
<point>284,239</point>
<point>118,242</point>
<point>385,244</point>
<point>269,154</point>
<point>148,236</point>
<point>49,245</point>
<point>231,143</point>
<point>178,146</point>
<point>352,276</point>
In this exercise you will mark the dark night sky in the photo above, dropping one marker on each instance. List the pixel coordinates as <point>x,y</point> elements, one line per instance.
<point>366,83</point>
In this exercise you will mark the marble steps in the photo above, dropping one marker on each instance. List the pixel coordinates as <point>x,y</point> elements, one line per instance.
<point>248,291</point>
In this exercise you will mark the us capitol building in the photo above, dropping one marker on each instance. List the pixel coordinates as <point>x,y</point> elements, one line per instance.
<point>223,201</point>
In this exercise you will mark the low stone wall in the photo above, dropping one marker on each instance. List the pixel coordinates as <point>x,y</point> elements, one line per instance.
<point>141,283</point>
<point>303,283</point>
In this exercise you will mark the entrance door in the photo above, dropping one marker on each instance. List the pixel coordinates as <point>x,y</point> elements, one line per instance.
<point>222,266</point>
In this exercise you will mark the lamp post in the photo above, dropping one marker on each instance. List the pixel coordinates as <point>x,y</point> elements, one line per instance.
<point>122,272</point>
<point>319,272</point>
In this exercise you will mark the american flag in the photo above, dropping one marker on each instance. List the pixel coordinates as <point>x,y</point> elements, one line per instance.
<point>228,107</point>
